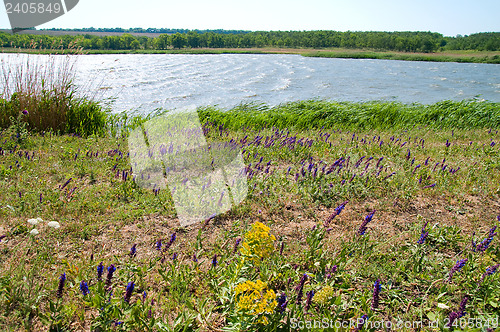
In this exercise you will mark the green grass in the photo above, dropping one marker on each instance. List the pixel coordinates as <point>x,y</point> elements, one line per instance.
<point>369,115</point>
<point>102,214</point>
<point>432,57</point>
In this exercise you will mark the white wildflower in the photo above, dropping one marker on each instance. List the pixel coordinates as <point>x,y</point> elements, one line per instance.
<point>34,231</point>
<point>33,221</point>
<point>54,224</point>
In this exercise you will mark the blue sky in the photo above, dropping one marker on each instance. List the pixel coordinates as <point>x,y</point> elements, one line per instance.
<point>445,16</point>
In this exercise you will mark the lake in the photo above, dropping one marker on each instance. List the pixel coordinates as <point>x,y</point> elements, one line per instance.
<point>147,82</point>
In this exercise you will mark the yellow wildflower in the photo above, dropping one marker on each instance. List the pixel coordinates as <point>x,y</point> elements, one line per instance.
<point>324,295</point>
<point>258,241</point>
<point>255,299</point>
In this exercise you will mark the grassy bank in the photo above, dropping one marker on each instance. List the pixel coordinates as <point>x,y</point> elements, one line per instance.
<point>432,180</point>
<point>492,57</point>
<point>466,114</point>
<point>447,56</point>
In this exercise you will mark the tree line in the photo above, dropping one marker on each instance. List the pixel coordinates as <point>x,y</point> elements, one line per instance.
<point>388,41</point>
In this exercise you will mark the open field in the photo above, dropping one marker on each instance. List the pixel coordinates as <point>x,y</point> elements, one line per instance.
<point>378,209</point>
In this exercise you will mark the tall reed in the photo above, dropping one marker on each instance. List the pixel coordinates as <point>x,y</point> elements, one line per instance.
<point>44,86</point>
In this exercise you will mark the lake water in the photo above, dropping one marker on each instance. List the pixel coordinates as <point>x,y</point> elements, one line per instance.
<point>147,82</point>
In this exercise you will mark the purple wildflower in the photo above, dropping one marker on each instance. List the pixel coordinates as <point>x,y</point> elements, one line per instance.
<point>330,271</point>
<point>429,186</point>
<point>133,250</point>
<point>236,244</point>
<point>60,288</point>
<point>463,303</point>
<point>309,296</point>
<point>282,247</point>
<point>128,291</point>
<point>66,183</point>
<point>100,271</point>
<point>282,302</point>
<point>158,245</point>
<point>361,322</point>
<point>174,256</point>
<point>171,241</point>
<point>362,229</point>
<point>144,295</point>
<point>451,318</point>
<point>352,179</point>
<point>458,266</point>
<point>195,259</point>
<point>486,242</point>
<point>25,112</point>
<point>111,270</point>
<point>454,315</point>
<point>220,199</point>
<point>84,288</point>
<point>300,288</point>
<point>489,271</point>
<point>423,235</point>
<point>335,213</point>
<point>376,294</point>
<point>150,313</point>
<point>214,261</point>
<point>388,176</point>
<point>416,167</point>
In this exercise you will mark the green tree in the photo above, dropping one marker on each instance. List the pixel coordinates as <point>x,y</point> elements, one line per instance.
<point>178,40</point>
<point>135,45</point>
<point>193,39</point>
<point>126,41</point>
<point>162,42</point>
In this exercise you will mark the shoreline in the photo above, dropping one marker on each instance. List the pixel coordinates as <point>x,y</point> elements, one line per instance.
<point>490,57</point>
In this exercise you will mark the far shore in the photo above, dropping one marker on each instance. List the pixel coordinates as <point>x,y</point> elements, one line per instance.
<point>492,57</point>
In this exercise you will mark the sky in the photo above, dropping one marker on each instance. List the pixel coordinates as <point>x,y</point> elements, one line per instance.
<point>449,17</point>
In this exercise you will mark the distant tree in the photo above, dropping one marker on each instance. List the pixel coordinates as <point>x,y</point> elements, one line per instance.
<point>162,42</point>
<point>178,40</point>
<point>135,45</point>
<point>126,41</point>
<point>193,39</point>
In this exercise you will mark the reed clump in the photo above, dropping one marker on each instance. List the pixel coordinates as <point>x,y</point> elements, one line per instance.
<point>464,114</point>
<point>43,86</point>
